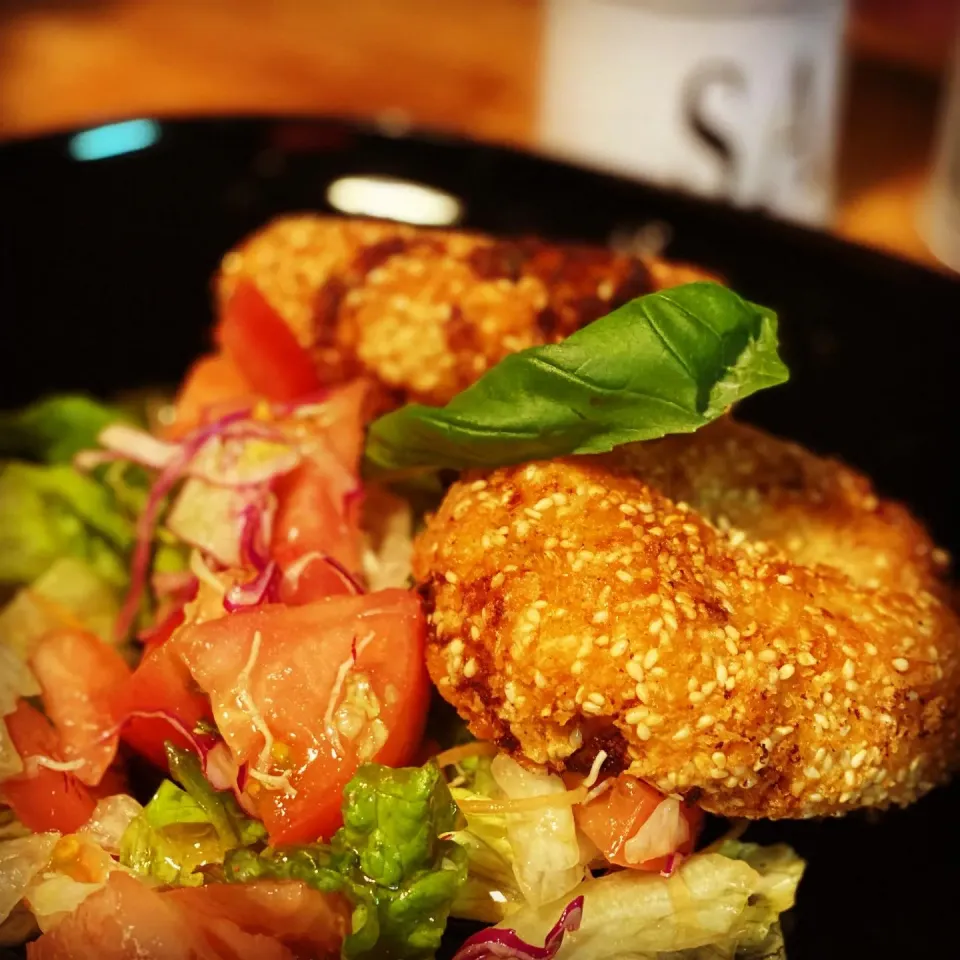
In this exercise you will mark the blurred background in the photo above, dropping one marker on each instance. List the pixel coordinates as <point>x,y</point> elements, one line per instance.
<point>493,69</point>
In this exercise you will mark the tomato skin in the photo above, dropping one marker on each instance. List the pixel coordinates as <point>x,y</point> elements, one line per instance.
<point>615,816</point>
<point>291,682</point>
<point>45,799</point>
<point>261,345</point>
<point>160,683</point>
<point>213,387</point>
<point>316,579</point>
<point>78,675</point>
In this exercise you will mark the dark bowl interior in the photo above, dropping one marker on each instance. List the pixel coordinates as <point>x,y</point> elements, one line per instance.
<point>105,269</point>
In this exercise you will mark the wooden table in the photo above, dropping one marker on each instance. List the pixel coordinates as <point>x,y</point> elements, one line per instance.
<point>463,65</point>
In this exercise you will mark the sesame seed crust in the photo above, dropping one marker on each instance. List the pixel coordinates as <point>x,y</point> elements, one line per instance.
<point>426,312</point>
<point>784,644</point>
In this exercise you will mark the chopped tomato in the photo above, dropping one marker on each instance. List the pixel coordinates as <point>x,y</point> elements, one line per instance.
<point>127,920</point>
<point>311,578</point>
<point>79,675</point>
<point>213,387</point>
<point>319,502</point>
<point>161,632</point>
<point>615,816</point>
<point>43,799</point>
<point>261,345</point>
<point>161,684</point>
<point>304,695</point>
<point>311,923</point>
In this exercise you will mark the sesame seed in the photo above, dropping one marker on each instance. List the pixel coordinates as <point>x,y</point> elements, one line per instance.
<point>848,669</point>
<point>731,647</point>
<point>848,778</point>
<point>636,715</point>
<point>590,707</point>
<point>643,694</point>
<point>576,667</point>
<point>785,579</point>
<point>857,759</point>
<point>682,734</point>
<point>721,673</point>
<point>470,668</point>
<point>900,664</point>
<point>656,625</point>
<point>643,731</point>
<point>619,648</point>
<point>650,658</point>
<point>821,721</point>
<point>496,580</point>
<point>696,696</point>
<point>624,576</point>
<point>786,671</point>
<point>870,648</point>
<point>627,510</point>
<point>598,698</point>
<point>450,577</point>
<point>474,632</point>
<point>705,721</point>
<point>806,659</point>
<point>455,646</point>
<point>767,656</point>
<point>654,719</point>
<point>635,670</point>
<point>601,616</point>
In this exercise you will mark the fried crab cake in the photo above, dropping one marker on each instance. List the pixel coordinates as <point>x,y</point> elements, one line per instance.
<point>725,614</point>
<point>425,312</point>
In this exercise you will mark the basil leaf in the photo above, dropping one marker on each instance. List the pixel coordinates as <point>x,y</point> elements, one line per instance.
<point>669,362</point>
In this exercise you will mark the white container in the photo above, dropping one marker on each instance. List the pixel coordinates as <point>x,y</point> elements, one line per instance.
<point>940,216</point>
<point>734,99</point>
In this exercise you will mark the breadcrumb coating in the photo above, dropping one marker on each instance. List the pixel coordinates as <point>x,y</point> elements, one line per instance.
<point>728,615</point>
<point>426,312</point>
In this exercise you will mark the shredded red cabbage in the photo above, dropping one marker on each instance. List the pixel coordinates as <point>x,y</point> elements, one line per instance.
<point>496,943</point>
<point>188,448</point>
<point>672,862</point>
<point>261,589</point>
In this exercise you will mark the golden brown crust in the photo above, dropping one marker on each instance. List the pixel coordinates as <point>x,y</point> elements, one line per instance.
<point>425,312</point>
<point>779,643</point>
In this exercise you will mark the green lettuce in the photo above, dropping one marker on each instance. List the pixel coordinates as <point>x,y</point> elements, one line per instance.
<point>391,858</point>
<point>48,512</point>
<point>186,827</point>
<point>718,905</point>
<point>54,430</point>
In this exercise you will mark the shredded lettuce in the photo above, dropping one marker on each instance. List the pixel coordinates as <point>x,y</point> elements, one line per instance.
<point>715,907</point>
<point>390,858</point>
<point>186,827</point>
<point>68,594</point>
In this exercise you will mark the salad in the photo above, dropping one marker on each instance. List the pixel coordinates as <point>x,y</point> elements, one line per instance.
<point>219,737</point>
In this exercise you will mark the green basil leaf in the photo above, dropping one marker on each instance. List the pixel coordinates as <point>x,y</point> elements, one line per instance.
<point>669,362</point>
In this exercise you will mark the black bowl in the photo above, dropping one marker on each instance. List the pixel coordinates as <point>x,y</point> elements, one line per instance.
<point>104,275</point>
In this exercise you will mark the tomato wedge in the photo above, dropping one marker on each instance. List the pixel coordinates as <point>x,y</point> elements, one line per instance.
<point>161,684</point>
<point>331,684</point>
<point>43,799</point>
<point>79,675</point>
<point>319,503</point>
<point>616,815</point>
<point>266,920</point>
<point>263,348</point>
<point>213,387</point>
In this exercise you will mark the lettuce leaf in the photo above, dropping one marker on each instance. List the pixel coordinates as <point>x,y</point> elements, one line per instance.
<point>186,827</point>
<point>55,429</point>
<point>390,859</point>
<point>48,512</point>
